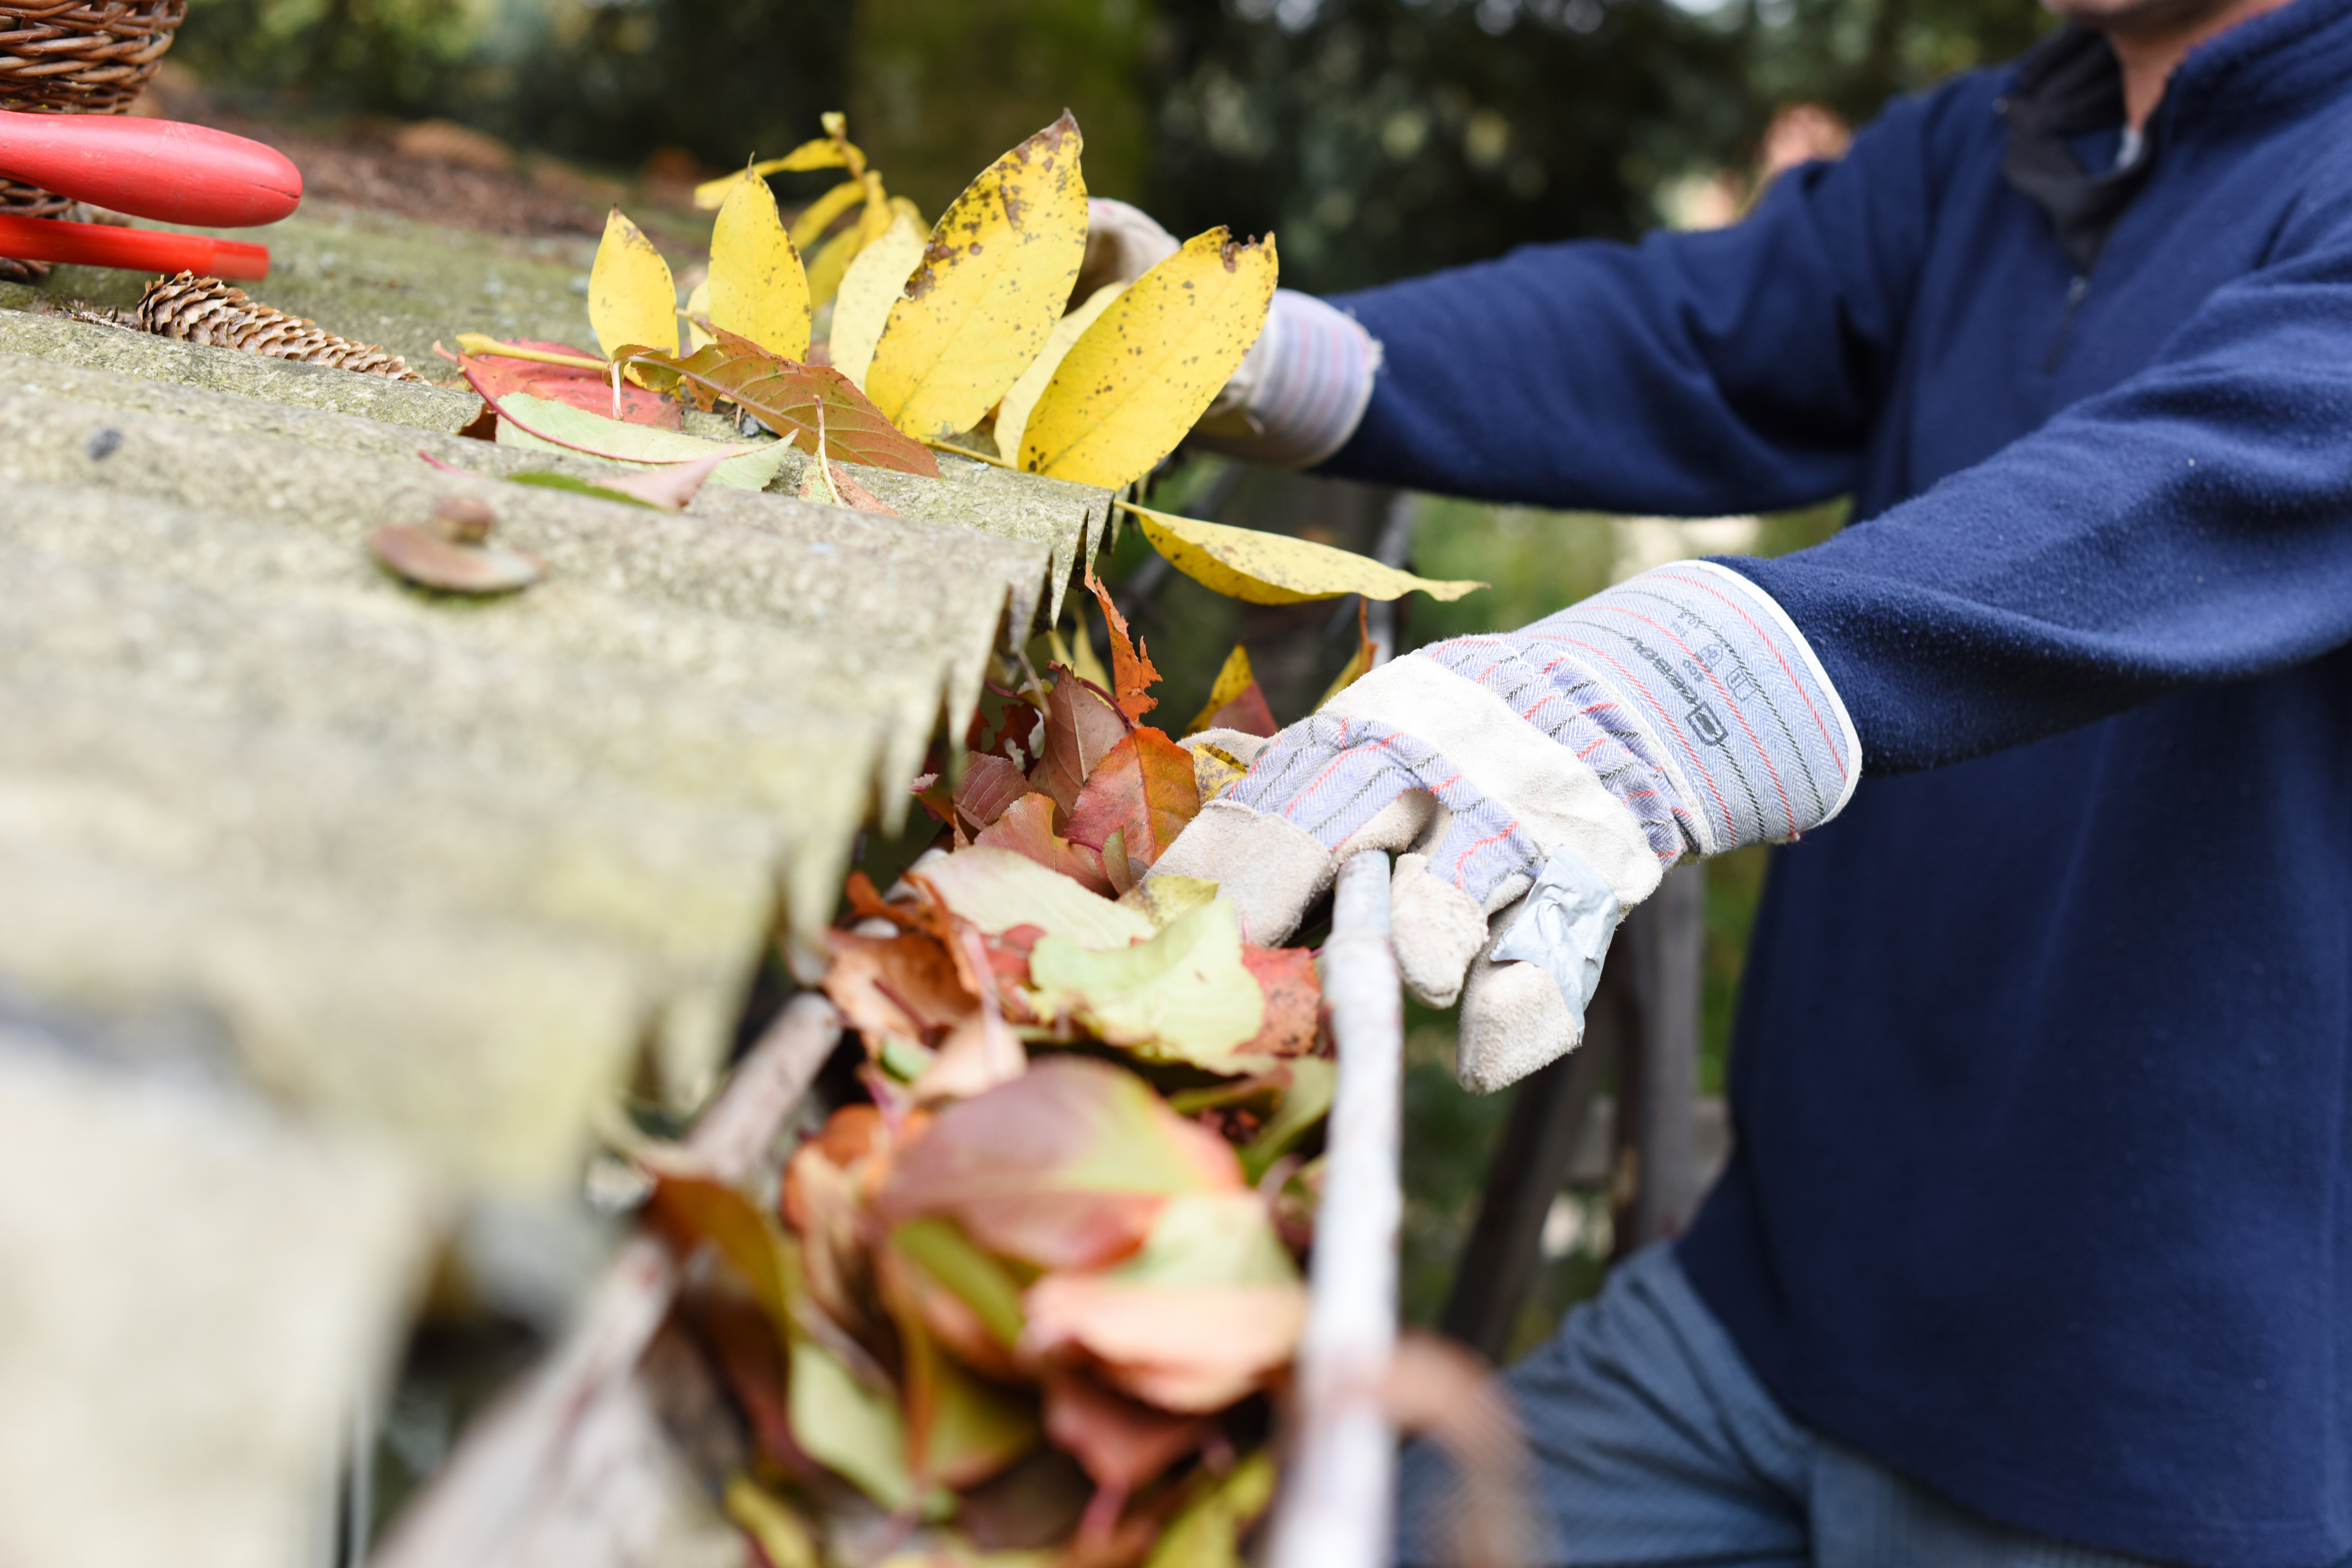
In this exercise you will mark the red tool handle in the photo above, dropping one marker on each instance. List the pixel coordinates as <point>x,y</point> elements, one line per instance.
<point>134,249</point>
<point>156,169</point>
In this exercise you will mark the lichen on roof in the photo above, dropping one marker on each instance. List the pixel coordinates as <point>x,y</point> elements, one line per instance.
<point>450,872</point>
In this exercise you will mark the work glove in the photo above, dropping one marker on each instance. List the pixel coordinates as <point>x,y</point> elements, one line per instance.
<point>1534,786</point>
<point>1303,387</point>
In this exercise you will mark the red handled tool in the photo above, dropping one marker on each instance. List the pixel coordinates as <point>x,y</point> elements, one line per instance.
<point>157,169</point>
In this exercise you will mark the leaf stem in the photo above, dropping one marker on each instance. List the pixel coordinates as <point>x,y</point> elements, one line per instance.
<point>968,452</point>
<point>490,348</point>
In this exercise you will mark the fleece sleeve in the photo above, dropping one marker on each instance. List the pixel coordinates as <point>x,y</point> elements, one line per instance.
<point>2192,525</point>
<point>1694,373</point>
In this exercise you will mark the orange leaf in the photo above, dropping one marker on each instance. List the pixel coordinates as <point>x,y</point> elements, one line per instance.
<point>1026,828</point>
<point>1294,1001</point>
<point>1142,790</point>
<point>1081,726</point>
<point>1130,666</point>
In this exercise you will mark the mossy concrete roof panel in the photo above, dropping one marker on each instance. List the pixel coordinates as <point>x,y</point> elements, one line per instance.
<point>447,872</point>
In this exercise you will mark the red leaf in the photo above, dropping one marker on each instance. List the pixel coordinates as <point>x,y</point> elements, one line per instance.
<point>1081,726</point>
<point>1130,666</point>
<point>1142,790</point>
<point>1026,828</point>
<point>1294,1001</point>
<point>495,378</point>
<point>784,395</point>
<point>989,785</point>
<point>1248,713</point>
<point>1068,1167</point>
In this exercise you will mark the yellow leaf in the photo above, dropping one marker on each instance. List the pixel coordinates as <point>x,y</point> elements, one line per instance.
<point>757,288</point>
<point>825,152</point>
<point>832,262</point>
<point>631,299</point>
<point>1134,384</point>
<point>1234,679</point>
<point>818,215</point>
<point>698,305</point>
<point>770,1520</point>
<point>1274,568</point>
<point>1013,414</point>
<point>994,281</point>
<point>871,285</point>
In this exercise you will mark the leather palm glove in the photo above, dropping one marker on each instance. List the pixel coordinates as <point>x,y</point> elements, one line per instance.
<point>1534,786</point>
<point>1303,387</point>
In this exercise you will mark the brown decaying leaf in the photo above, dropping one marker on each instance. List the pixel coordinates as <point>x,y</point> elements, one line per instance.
<point>1132,674</point>
<point>906,985</point>
<point>835,1265</point>
<point>784,395</point>
<point>989,785</point>
<point>1294,1001</point>
<point>1121,1444</point>
<point>1026,828</point>
<point>495,377</point>
<point>981,1051</point>
<point>1142,791</point>
<point>1066,1167</point>
<point>1082,725</point>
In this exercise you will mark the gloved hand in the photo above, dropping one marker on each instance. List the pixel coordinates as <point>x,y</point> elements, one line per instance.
<point>1301,390</point>
<point>1535,786</point>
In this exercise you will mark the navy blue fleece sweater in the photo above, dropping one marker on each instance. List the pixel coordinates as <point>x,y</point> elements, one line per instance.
<point>2043,1080</point>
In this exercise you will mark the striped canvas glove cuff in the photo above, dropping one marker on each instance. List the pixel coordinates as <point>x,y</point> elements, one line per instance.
<point>1534,786</point>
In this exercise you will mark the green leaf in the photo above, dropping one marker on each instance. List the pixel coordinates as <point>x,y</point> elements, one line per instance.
<point>541,424</point>
<point>1183,995</point>
<point>941,1250</point>
<point>997,889</point>
<point>1208,1533</point>
<point>548,481</point>
<point>849,1428</point>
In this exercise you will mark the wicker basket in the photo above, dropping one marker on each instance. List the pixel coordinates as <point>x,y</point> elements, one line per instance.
<point>76,56</point>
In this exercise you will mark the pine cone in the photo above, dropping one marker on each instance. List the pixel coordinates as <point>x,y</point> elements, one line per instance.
<point>193,309</point>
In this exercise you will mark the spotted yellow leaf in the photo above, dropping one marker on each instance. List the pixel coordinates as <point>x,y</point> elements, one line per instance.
<point>757,288</point>
<point>871,285</point>
<point>631,299</point>
<point>1012,413</point>
<point>1274,568</point>
<point>993,282</point>
<point>825,152</point>
<point>1133,385</point>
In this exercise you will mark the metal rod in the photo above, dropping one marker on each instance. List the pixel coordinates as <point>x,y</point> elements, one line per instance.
<point>1338,1492</point>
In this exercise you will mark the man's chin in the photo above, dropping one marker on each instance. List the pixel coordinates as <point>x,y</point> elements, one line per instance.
<point>2139,16</point>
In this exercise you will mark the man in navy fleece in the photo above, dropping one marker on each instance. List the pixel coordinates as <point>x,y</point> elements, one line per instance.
<point>2036,1245</point>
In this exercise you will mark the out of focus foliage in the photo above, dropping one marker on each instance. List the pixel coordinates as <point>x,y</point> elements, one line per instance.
<point>1377,137</point>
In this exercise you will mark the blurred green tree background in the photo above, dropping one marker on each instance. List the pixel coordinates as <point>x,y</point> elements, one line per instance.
<point>1378,138</point>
